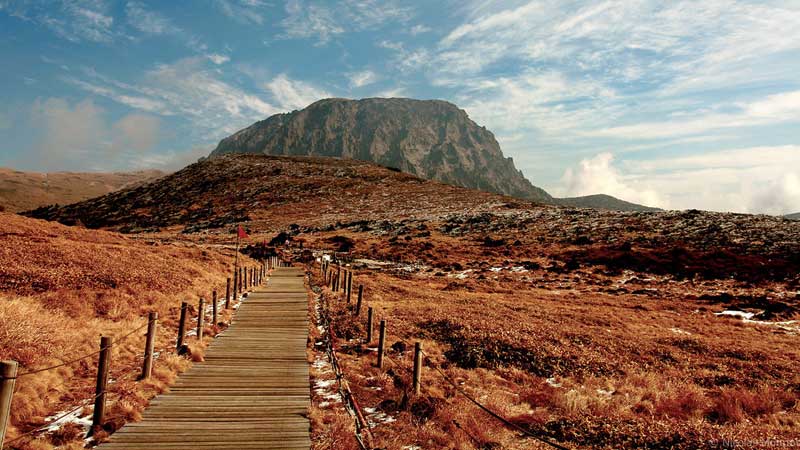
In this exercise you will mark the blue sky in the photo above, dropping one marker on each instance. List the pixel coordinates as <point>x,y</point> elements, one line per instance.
<point>673,104</point>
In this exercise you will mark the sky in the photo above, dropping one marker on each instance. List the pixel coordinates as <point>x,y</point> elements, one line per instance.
<point>671,104</point>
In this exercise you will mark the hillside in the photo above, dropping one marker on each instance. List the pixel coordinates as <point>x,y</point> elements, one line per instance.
<point>21,191</point>
<point>270,190</point>
<point>795,216</point>
<point>431,139</point>
<point>602,201</point>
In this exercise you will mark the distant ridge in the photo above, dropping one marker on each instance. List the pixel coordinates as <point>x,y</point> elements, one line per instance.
<point>602,201</point>
<point>795,216</point>
<point>20,191</point>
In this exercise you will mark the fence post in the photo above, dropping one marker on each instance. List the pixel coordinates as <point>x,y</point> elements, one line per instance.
<point>201,310</point>
<point>236,283</point>
<point>369,325</point>
<point>181,327</point>
<point>349,287</point>
<point>103,365</point>
<point>228,293</point>
<point>417,366</point>
<point>360,297</point>
<point>381,343</point>
<point>214,308</point>
<point>149,344</point>
<point>8,376</point>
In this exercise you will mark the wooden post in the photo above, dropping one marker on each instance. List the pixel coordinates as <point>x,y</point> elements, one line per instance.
<point>103,365</point>
<point>149,344</point>
<point>201,312</point>
<point>417,366</point>
<point>360,297</point>
<point>381,343</point>
<point>228,294</point>
<point>236,283</point>
<point>369,325</point>
<point>338,276</point>
<point>181,327</point>
<point>8,376</point>
<point>349,285</point>
<point>214,307</point>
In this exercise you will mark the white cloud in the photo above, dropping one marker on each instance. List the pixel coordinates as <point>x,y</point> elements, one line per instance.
<point>187,88</point>
<point>292,94</point>
<point>217,58</point>
<point>774,109</point>
<point>749,180</point>
<point>363,78</point>
<point>148,21</point>
<point>322,20</point>
<point>78,137</point>
<point>75,20</point>
<point>598,176</point>
<point>419,29</point>
<point>243,11</point>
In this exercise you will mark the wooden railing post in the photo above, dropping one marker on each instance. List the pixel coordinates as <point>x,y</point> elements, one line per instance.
<point>360,297</point>
<point>201,310</point>
<point>236,283</point>
<point>417,367</point>
<point>214,307</point>
<point>369,325</point>
<point>103,365</point>
<point>181,327</point>
<point>349,287</point>
<point>8,376</point>
<point>228,293</point>
<point>381,343</point>
<point>149,344</point>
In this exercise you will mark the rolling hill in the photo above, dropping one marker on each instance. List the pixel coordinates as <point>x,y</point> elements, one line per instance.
<point>21,191</point>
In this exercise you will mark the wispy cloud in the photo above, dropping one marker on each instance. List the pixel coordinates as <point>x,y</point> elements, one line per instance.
<point>310,19</point>
<point>148,21</point>
<point>243,11</point>
<point>187,88</point>
<point>291,94</point>
<point>362,78</point>
<point>75,20</point>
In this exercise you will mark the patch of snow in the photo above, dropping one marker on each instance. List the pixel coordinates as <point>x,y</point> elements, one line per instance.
<point>375,417</point>
<point>742,314</point>
<point>73,417</point>
<point>679,331</point>
<point>552,382</point>
<point>496,269</point>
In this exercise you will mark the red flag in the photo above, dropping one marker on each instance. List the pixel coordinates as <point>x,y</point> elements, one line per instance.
<point>242,233</point>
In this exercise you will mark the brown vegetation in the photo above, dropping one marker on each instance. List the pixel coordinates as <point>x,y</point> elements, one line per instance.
<point>62,288</point>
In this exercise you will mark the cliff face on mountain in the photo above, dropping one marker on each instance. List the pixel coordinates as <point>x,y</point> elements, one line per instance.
<point>431,139</point>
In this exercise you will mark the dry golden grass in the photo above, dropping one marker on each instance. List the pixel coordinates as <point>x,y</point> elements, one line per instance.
<point>98,283</point>
<point>624,370</point>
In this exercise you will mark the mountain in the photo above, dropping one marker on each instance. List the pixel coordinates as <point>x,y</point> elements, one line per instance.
<point>795,216</point>
<point>602,201</point>
<point>431,139</point>
<point>20,191</point>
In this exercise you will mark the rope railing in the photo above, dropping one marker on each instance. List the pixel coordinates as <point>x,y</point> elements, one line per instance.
<point>245,279</point>
<point>332,280</point>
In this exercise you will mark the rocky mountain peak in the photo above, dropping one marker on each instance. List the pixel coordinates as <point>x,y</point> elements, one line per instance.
<point>432,139</point>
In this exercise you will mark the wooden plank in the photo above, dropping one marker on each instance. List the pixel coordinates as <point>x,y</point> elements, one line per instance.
<point>252,390</point>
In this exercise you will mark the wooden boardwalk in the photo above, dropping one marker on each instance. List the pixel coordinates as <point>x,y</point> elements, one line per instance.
<point>252,390</point>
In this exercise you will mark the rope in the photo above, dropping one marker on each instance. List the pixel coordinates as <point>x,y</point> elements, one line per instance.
<point>114,342</point>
